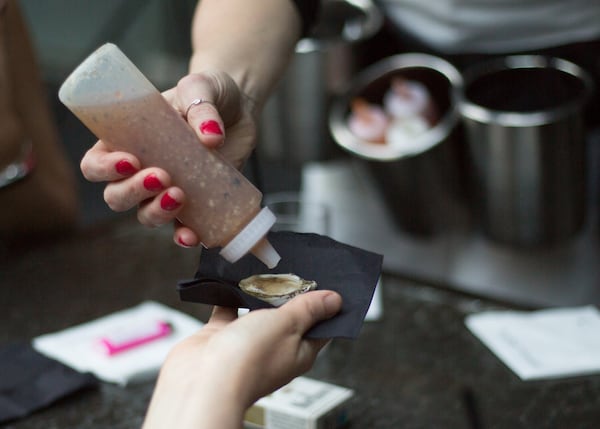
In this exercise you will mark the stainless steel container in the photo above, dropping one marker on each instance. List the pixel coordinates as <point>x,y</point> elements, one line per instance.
<point>524,127</point>
<point>423,190</point>
<point>294,128</point>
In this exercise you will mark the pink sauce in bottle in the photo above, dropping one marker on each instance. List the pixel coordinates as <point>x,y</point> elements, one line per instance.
<point>122,108</point>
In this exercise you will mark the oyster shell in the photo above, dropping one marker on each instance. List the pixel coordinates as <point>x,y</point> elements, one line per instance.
<point>276,289</point>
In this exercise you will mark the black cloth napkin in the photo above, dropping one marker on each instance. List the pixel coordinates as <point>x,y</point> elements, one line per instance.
<point>348,270</point>
<point>31,381</point>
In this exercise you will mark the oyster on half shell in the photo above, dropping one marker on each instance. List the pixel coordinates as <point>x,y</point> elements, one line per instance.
<point>276,289</point>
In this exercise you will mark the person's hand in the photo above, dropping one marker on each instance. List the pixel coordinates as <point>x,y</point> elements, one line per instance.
<point>225,112</point>
<point>212,377</point>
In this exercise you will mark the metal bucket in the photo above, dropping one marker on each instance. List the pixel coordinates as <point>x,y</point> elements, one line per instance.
<point>295,124</point>
<point>524,127</point>
<point>422,190</point>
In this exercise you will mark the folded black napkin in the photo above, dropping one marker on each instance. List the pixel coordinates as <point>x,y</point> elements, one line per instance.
<point>348,270</point>
<point>31,381</point>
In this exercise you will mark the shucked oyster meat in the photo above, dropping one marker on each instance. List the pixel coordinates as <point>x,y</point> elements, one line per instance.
<point>276,289</point>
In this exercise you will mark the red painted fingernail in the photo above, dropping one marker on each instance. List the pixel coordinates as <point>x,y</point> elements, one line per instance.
<point>183,243</point>
<point>210,127</point>
<point>168,203</point>
<point>125,168</point>
<point>152,183</point>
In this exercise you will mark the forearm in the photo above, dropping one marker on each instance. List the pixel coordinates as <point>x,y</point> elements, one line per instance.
<point>251,41</point>
<point>196,399</point>
<point>192,412</point>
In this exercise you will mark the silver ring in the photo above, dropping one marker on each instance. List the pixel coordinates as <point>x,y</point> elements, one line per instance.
<point>196,102</point>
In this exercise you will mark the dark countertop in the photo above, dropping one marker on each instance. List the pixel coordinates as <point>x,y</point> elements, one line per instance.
<point>410,369</point>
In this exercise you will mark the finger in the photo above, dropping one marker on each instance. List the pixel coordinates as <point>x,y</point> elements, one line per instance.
<point>127,193</point>
<point>308,351</point>
<point>99,164</point>
<point>317,343</point>
<point>184,236</point>
<point>223,314</point>
<point>161,209</point>
<point>305,310</point>
<point>196,99</point>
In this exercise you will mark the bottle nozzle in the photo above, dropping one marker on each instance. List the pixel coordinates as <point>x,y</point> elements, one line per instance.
<point>266,253</point>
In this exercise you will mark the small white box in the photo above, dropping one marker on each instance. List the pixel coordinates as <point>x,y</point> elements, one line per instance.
<point>304,403</point>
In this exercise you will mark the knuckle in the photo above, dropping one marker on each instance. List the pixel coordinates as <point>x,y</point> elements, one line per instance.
<point>86,168</point>
<point>113,202</point>
<point>143,219</point>
<point>310,307</point>
<point>122,197</point>
<point>191,80</point>
<point>150,216</point>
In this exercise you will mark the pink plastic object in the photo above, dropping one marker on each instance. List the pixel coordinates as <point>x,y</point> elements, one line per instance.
<point>136,337</point>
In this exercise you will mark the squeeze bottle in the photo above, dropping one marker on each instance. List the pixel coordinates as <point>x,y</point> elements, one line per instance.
<point>121,107</point>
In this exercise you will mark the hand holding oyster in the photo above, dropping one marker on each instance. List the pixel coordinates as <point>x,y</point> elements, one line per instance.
<point>350,271</point>
<point>276,289</point>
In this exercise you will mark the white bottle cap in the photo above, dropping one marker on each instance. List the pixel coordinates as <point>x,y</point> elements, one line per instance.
<point>251,238</point>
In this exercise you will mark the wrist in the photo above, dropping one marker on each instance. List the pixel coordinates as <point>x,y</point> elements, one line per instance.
<point>191,406</point>
<point>195,397</point>
<point>256,48</point>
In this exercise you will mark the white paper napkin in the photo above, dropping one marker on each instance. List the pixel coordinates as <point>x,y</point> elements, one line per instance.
<point>78,348</point>
<point>542,344</point>
<point>375,311</point>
